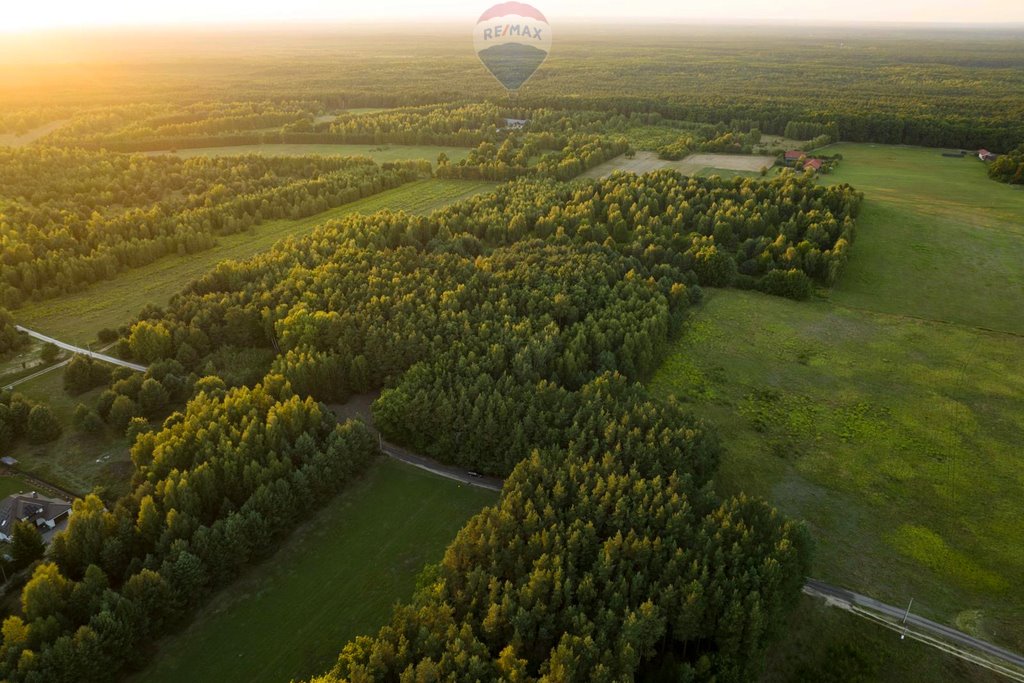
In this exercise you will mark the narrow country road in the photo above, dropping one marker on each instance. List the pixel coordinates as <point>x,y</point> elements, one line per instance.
<point>84,352</point>
<point>27,378</point>
<point>915,624</point>
<point>446,471</point>
<point>358,407</point>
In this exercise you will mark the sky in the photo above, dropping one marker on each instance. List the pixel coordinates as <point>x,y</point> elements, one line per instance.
<point>28,15</point>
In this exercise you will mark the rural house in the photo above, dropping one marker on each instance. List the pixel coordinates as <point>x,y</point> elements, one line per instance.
<point>813,165</point>
<point>793,156</point>
<point>986,155</point>
<point>50,515</point>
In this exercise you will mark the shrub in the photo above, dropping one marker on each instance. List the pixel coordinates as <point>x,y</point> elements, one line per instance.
<point>42,425</point>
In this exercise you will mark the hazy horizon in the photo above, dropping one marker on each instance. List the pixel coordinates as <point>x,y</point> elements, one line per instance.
<point>106,14</point>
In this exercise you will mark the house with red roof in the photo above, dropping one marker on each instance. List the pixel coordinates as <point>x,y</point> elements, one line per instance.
<point>813,165</point>
<point>794,155</point>
<point>986,155</point>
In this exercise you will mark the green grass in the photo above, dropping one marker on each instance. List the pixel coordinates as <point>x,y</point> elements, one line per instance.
<point>379,153</point>
<point>890,415</point>
<point>898,440</point>
<point>334,579</point>
<point>10,485</point>
<point>75,461</point>
<point>936,239</point>
<point>826,644</point>
<point>77,317</point>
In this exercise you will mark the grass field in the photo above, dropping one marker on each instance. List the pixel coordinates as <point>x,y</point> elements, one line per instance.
<point>936,239</point>
<point>10,485</point>
<point>379,153</point>
<point>822,644</point>
<point>890,415</point>
<point>695,164</point>
<point>334,579</point>
<point>77,317</point>
<point>76,461</point>
<point>897,440</point>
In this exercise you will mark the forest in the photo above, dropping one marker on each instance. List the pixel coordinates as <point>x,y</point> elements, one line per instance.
<point>69,217</point>
<point>202,509</point>
<point>934,87</point>
<point>510,345</point>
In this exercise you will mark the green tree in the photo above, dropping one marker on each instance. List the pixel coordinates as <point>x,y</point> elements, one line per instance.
<point>26,544</point>
<point>150,342</point>
<point>49,353</point>
<point>42,425</point>
<point>122,410</point>
<point>153,398</point>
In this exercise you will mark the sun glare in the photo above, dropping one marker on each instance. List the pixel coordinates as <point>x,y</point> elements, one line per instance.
<point>25,17</point>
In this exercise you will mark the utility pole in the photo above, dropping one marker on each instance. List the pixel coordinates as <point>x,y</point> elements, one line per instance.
<point>904,621</point>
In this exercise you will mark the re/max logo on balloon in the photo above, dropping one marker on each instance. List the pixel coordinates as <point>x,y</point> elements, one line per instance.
<point>532,32</point>
<point>512,39</point>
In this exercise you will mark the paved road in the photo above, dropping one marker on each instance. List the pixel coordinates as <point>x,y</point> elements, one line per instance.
<point>358,407</point>
<point>83,352</point>
<point>849,598</point>
<point>464,476</point>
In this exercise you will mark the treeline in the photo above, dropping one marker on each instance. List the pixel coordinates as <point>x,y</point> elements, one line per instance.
<point>726,232</point>
<point>151,126</point>
<point>726,142</point>
<point>806,130</point>
<point>72,217</point>
<point>934,87</point>
<point>21,121</point>
<point>214,490</point>
<point>1009,168</point>
<point>524,154</point>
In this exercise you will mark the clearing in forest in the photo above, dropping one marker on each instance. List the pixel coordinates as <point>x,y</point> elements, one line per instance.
<point>695,164</point>
<point>379,153</point>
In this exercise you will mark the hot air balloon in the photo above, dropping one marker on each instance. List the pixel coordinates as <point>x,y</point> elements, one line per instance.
<point>512,39</point>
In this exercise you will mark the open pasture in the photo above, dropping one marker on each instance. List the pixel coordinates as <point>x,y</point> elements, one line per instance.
<point>694,164</point>
<point>897,440</point>
<point>332,580</point>
<point>936,239</point>
<point>890,415</point>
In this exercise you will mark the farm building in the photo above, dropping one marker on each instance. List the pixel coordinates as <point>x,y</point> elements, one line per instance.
<point>813,165</point>
<point>986,155</point>
<point>794,156</point>
<point>48,514</point>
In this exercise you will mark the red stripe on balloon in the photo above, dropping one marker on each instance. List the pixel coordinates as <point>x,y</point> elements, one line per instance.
<point>519,8</point>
